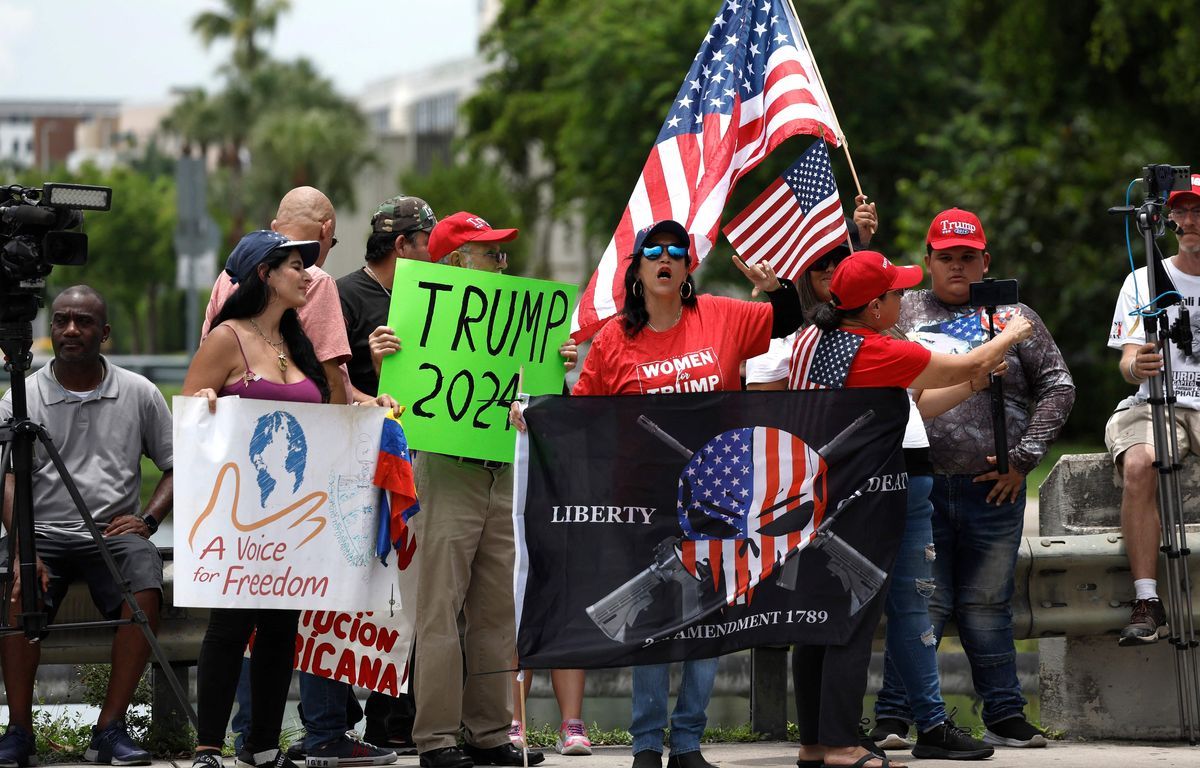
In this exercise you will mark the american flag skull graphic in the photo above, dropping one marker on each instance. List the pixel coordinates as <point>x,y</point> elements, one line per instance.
<point>736,484</point>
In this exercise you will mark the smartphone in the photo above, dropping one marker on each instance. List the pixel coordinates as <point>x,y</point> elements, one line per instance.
<point>994,293</point>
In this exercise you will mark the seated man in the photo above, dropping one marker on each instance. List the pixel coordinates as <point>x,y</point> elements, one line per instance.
<point>101,418</point>
<point>1129,435</point>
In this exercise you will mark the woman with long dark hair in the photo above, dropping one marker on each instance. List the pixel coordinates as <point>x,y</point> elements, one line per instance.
<point>664,318</point>
<point>256,349</point>
<point>864,303</point>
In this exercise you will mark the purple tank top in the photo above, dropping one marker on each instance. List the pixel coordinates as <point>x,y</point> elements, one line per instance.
<point>249,385</point>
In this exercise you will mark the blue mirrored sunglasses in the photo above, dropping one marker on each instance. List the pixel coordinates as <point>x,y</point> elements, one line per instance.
<point>674,251</point>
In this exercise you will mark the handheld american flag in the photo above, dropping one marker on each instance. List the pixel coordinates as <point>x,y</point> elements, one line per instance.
<point>797,220</point>
<point>752,85</point>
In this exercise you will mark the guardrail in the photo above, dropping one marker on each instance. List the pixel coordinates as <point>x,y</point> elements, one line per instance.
<point>1074,584</point>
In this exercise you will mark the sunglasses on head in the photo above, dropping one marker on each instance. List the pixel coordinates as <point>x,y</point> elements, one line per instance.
<point>828,261</point>
<point>674,251</point>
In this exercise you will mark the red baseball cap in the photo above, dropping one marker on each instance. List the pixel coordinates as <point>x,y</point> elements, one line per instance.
<point>866,275</point>
<point>1195,190</point>
<point>956,227</point>
<point>460,228</point>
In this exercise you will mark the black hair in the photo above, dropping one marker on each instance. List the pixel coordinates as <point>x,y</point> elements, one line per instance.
<point>87,291</point>
<point>634,315</point>
<point>380,244</point>
<point>249,301</point>
<point>827,316</point>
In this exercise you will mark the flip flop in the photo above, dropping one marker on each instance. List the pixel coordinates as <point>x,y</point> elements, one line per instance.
<point>810,764</point>
<point>862,761</point>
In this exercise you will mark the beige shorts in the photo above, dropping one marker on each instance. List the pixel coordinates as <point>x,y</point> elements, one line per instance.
<point>1131,426</point>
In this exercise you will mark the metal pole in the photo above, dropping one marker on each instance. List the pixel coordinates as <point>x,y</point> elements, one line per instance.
<point>1166,449</point>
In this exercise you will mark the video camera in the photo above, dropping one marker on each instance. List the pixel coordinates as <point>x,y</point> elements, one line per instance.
<point>35,235</point>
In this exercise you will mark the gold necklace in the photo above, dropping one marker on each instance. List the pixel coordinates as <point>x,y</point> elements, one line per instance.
<point>678,315</point>
<point>283,361</point>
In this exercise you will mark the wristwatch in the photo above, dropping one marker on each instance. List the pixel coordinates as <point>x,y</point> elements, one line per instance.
<point>151,523</point>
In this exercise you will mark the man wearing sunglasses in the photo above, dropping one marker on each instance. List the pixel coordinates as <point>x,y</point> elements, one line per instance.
<point>978,513</point>
<point>1129,436</point>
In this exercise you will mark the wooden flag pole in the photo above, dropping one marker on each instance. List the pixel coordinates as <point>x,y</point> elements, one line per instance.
<point>812,57</point>
<point>524,728</point>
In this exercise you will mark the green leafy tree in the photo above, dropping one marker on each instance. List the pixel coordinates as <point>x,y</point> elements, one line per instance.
<point>243,23</point>
<point>472,185</point>
<point>131,257</point>
<point>1034,115</point>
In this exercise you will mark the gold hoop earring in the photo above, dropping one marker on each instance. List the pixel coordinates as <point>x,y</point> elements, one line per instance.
<point>689,290</point>
<point>637,288</point>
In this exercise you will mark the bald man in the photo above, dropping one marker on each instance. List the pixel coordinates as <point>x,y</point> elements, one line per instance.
<point>305,213</point>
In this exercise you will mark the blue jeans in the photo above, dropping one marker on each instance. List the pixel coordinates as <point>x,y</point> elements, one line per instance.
<point>323,709</point>
<point>651,686</point>
<point>241,718</point>
<point>911,688</point>
<point>977,545</point>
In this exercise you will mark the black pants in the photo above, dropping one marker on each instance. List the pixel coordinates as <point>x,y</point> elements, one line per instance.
<point>220,663</point>
<point>831,680</point>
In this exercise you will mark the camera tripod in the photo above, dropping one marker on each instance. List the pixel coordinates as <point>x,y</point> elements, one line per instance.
<point>17,437</point>
<point>1151,225</point>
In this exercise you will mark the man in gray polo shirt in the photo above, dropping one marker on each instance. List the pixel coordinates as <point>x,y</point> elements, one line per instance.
<point>102,418</point>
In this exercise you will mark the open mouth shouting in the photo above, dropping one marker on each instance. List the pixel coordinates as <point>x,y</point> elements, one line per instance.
<point>663,275</point>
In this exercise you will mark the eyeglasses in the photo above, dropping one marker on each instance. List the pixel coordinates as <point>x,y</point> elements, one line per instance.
<point>674,251</point>
<point>1183,213</point>
<point>499,256</point>
<point>828,261</point>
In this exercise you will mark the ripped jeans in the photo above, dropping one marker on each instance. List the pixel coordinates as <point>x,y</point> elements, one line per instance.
<point>911,689</point>
<point>977,545</point>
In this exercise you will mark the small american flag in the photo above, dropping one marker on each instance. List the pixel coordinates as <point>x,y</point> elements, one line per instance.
<point>738,482</point>
<point>822,359</point>
<point>797,220</point>
<point>752,84</point>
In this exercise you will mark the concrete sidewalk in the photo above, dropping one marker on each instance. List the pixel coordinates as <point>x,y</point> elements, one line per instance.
<point>1063,754</point>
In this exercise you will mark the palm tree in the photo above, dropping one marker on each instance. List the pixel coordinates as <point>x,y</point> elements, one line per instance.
<point>242,23</point>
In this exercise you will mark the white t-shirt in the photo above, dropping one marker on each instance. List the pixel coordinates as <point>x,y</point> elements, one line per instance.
<point>772,365</point>
<point>1130,329</point>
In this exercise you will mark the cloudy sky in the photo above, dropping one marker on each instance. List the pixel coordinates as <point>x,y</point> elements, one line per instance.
<point>136,50</point>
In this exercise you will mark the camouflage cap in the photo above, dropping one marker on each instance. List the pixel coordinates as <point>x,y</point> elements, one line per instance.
<point>403,213</point>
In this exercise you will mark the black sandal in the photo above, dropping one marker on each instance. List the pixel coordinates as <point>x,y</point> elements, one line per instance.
<point>862,761</point>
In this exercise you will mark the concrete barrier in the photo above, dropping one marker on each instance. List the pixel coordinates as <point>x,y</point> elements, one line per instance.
<point>1090,687</point>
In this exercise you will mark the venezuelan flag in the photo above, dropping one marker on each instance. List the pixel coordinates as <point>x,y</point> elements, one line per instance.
<point>394,478</point>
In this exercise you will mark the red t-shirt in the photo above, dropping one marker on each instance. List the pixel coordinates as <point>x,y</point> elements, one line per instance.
<point>701,353</point>
<point>884,361</point>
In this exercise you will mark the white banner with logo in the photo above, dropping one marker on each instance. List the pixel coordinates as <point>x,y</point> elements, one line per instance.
<point>274,507</point>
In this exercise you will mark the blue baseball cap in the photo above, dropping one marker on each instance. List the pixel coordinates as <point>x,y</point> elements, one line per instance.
<point>252,249</point>
<point>666,225</point>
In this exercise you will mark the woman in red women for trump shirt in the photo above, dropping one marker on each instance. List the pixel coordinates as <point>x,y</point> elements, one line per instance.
<point>668,339</point>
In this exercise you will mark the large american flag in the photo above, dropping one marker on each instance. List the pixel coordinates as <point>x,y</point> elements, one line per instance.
<point>752,85</point>
<point>737,483</point>
<point>822,359</point>
<point>797,220</point>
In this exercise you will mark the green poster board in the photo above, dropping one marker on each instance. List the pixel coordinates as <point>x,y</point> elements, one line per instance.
<point>464,336</point>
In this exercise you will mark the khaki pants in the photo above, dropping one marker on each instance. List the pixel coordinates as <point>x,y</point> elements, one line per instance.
<point>465,539</point>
